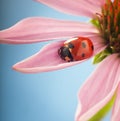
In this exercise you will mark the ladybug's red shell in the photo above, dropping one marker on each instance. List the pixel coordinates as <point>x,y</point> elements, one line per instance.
<point>82,48</point>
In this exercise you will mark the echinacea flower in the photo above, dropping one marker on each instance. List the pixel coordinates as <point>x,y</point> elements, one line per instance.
<point>103,86</point>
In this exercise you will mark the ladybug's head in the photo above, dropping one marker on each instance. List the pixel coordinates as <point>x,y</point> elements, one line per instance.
<point>65,52</point>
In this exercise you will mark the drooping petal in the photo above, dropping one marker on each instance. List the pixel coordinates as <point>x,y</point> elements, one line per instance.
<point>99,88</point>
<point>76,7</point>
<point>38,29</point>
<point>116,108</point>
<point>47,59</point>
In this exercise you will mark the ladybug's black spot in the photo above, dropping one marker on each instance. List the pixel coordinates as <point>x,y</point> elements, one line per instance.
<point>64,52</point>
<point>83,44</point>
<point>70,45</point>
<point>83,55</point>
<point>92,47</point>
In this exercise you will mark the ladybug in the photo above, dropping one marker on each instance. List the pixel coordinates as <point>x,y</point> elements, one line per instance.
<point>76,49</point>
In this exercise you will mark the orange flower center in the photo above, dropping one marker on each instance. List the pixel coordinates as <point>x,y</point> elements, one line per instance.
<point>109,22</point>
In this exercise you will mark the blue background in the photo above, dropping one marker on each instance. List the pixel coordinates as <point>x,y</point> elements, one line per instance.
<point>50,96</point>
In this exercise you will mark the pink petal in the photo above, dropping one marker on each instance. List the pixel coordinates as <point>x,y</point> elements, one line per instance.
<point>116,108</point>
<point>38,29</point>
<point>47,59</point>
<point>76,7</point>
<point>98,43</point>
<point>98,88</point>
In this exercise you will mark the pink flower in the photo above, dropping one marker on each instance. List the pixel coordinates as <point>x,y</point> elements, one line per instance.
<point>103,86</point>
